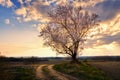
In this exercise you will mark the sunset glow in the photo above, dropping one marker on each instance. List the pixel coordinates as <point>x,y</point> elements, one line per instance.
<point>21,21</point>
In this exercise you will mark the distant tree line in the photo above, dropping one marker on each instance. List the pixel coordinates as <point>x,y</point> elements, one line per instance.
<point>100,58</point>
<point>21,59</point>
<point>28,59</point>
<point>41,59</point>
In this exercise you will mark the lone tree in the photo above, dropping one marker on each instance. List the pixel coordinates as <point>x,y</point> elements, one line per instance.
<point>68,29</point>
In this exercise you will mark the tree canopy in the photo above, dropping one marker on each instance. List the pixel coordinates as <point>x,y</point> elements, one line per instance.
<point>68,29</point>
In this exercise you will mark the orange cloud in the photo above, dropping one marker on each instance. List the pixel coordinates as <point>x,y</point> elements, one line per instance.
<point>7,3</point>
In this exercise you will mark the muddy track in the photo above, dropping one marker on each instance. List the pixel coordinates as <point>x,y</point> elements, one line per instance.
<point>52,73</point>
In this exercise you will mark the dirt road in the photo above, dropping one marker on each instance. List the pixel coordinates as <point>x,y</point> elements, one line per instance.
<point>112,69</point>
<point>53,73</point>
<point>39,72</point>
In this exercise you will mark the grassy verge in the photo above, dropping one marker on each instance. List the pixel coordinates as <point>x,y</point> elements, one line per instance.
<point>16,72</point>
<point>46,72</point>
<point>81,71</point>
<point>24,74</point>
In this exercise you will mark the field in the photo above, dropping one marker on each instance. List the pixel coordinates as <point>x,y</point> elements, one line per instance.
<point>17,71</point>
<point>60,70</point>
<point>111,68</point>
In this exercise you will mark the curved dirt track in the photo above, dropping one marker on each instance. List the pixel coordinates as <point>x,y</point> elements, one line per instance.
<point>39,72</point>
<point>58,75</point>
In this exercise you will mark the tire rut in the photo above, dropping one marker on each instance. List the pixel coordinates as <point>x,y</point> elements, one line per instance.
<point>39,72</point>
<point>60,75</point>
<point>51,74</point>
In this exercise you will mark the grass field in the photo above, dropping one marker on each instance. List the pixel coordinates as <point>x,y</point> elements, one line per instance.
<point>111,68</point>
<point>12,71</point>
<point>82,71</point>
<point>107,70</point>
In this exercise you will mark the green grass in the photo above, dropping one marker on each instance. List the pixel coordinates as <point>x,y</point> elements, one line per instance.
<point>24,74</point>
<point>81,71</point>
<point>16,72</point>
<point>46,72</point>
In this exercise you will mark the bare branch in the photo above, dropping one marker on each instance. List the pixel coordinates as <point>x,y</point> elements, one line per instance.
<point>68,28</point>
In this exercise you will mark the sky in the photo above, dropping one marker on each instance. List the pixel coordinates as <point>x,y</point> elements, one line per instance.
<point>21,20</point>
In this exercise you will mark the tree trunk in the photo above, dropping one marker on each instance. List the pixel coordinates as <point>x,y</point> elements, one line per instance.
<point>74,55</point>
<point>74,58</point>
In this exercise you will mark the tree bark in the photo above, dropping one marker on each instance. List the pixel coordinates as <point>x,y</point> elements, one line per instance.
<point>74,58</point>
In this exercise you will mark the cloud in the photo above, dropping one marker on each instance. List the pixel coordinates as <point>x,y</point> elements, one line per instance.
<point>21,11</point>
<point>7,21</point>
<point>37,11</point>
<point>109,33</point>
<point>86,3</point>
<point>34,25</point>
<point>62,2</point>
<point>20,1</point>
<point>105,39</point>
<point>28,13</point>
<point>19,19</point>
<point>108,39</point>
<point>107,9</point>
<point>40,27</point>
<point>34,12</point>
<point>6,3</point>
<point>28,1</point>
<point>103,50</point>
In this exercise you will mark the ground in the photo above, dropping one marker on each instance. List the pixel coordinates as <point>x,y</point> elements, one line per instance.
<point>111,68</point>
<point>45,71</point>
